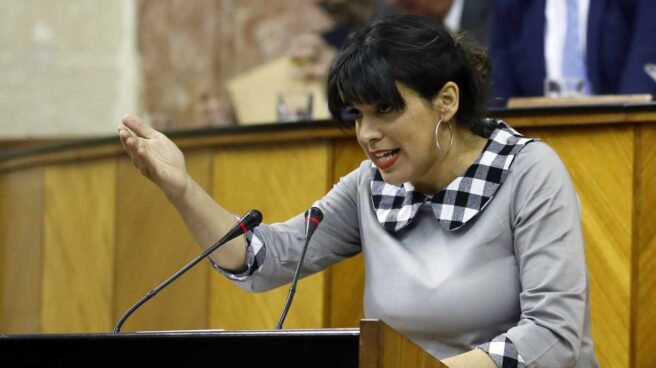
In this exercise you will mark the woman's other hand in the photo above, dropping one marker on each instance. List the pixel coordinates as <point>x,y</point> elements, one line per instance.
<point>161,161</point>
<point>155,155</point>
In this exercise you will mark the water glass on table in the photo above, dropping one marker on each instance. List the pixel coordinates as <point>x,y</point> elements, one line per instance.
<point>565,87</point>
<point>294,105</point>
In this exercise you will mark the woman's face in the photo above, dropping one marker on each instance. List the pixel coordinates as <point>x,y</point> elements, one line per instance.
<point>401,143</point>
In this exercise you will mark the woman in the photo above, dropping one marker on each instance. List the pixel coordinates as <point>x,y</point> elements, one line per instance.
<point>470,232</point>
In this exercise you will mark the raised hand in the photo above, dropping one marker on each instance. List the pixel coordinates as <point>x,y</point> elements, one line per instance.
<point>155,155</point>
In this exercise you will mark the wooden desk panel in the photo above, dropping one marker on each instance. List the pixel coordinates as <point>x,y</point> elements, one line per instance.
<point>21,251</point>
<point>643,301</point>
<point>78,247</point>
<point>259,177</point>
<point>610,154</point>
<point>152,242</point>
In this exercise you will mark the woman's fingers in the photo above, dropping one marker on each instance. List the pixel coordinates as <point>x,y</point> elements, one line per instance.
<point>138,126</point>
<point>134,146</point>
<point>153,154</point>
<point>135,137</point>
<point>126,138</point>
<point>123,135</point>
<point>144,156</point>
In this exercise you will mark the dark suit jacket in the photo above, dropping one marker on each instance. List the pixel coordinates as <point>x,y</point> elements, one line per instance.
<point>621,39</point>
<point>474,22</point>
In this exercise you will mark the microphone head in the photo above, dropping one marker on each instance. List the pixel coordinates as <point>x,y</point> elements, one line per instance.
<point>251,219</point>
<point>313,217</point>
<point>314,213</point>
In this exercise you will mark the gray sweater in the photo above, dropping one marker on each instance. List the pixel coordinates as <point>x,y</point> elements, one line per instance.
<point>517,268</point>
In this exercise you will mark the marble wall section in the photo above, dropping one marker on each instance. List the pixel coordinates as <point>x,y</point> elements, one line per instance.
<point>67,68</point>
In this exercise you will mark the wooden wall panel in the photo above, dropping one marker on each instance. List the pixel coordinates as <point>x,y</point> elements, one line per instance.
<point>21,251</point>
<point>3,231</point>
<point>152,242</point>
<point>346,291</point>
<point>280,181</point>
<point>59,272</point>
<point>645,283</point>
<point>600,162</point>
<point>78,247</point>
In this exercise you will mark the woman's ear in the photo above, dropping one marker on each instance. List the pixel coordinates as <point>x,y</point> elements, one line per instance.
<point>447,100</point>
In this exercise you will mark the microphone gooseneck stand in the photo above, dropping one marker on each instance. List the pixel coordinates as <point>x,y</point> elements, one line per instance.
<point>313,217</point>
<point>250,220</point>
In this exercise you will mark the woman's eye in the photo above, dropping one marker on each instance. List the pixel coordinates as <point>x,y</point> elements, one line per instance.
<point>384,108</point>
<point>357,114</point>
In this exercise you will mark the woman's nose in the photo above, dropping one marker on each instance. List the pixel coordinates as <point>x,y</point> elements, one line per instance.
<point>368,130</point>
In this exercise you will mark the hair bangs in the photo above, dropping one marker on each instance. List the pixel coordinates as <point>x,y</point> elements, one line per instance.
<point>415,51</point>
<point>360,77</point>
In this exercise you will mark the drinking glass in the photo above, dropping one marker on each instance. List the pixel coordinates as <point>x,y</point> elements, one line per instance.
<point>294,105</point>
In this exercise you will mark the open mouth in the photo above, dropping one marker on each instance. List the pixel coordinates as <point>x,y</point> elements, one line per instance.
<point>386,159</point>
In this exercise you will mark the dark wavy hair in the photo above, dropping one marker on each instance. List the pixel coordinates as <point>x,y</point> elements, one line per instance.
<point>416,51</point>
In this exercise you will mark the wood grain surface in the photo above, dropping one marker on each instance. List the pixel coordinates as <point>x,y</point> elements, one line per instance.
<point>383,347</point>
<point>152,243</point>
<point>106,147</point>
<point>281,181</point>
<point>78,250</point>
<point>644,301</point>
<point>21,251</point>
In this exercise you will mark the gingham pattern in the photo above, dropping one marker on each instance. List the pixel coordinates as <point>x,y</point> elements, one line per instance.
<point>255,252</point>
<point>465,197</point>
<point>503,352</point>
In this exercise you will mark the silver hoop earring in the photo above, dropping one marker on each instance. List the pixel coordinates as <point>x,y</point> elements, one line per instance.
<point>437,137</point>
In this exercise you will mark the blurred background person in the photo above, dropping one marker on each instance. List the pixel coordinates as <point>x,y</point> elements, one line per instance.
<point>470,17</point>
<point>313,52</point>
<point>607,45</point>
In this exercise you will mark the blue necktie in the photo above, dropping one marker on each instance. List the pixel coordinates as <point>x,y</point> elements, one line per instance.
<point>573,56</point>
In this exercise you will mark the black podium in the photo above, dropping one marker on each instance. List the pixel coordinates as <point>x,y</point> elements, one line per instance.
<point>373,345</point>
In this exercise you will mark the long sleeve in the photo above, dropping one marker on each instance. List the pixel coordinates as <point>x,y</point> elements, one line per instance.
<point>274,250</point>
<point>549,248</point>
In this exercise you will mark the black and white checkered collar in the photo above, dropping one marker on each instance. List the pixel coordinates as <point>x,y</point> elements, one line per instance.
<point>466,196</point>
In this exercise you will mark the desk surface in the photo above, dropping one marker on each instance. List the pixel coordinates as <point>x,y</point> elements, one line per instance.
<point>102,147</point>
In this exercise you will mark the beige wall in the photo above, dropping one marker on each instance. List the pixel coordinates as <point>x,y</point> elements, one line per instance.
<point>67,68</point>
<point>73,68</point>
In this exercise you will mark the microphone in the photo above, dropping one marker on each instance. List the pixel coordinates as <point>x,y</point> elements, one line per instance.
<point>248,222</point>
<point>313,217</point>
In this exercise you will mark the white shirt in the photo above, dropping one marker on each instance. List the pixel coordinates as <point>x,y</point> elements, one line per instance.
<point>554,35</point>
<point>454,16</point>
